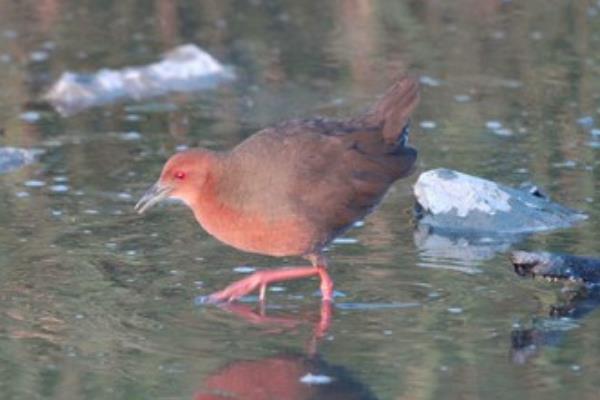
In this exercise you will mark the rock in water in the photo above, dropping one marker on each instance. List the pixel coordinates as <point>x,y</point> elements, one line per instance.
<point>12,158</point>
<point>453,202</point>
<point>186,68</point>
<point>556,266</point>
<point>551,330</point>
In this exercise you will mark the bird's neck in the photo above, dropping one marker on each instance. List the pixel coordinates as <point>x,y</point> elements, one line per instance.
<point>210,204</point>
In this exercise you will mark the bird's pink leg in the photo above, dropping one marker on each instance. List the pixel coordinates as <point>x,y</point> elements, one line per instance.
<point>326,283</point>
<point>261,279</point>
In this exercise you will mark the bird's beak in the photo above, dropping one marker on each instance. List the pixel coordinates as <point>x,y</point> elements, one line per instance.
<point>155,194</point>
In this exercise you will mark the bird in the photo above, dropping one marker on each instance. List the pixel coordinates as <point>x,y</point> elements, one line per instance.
<point>291,188</point>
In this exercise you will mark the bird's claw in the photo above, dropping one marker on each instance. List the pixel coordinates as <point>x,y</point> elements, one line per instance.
<point>240,289</point>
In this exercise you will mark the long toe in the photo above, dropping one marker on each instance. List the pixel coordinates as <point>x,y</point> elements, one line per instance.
<point>261,279</point>
<point>238,289</point>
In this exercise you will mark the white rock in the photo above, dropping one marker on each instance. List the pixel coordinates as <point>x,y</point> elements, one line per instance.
<point>461,192</point>
<point>186,68</point>
<point>452,201</point>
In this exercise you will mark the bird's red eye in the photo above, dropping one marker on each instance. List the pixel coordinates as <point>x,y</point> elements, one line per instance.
<point>179,175</point>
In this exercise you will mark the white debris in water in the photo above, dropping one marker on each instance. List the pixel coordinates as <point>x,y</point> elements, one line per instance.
<point>565,164</point>
<point>429,81</point>
<point>60,178</point>
<point>575,368</point>
<point>133,117</point>
<point>440,191</point>
<point>310,379</point>
<point>586,122</point>
<point>462,98</point>
<point>38,56</point>
<point>276,289</point>
<point>22,194</point>
<point>130,136</point>
<point>595,132</point>
<point>493,125</point>
<point>91,211</point>
<point>345,240</point>
<point>428,124</point>
<point>359,224</point>
<point>244,269</point>
<point>503,132</point>
<point>34,183</point>
<point>537,35</point>
<point>59,188</point>
<point>125,196</point>
<point>455,310</point>
<point>512,83</point>
<point>30,116</point>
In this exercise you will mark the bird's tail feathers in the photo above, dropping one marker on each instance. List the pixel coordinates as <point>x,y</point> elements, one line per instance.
<point>393,109</point>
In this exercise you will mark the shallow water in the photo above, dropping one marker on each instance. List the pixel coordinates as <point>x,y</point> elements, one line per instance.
<point>97,302</point>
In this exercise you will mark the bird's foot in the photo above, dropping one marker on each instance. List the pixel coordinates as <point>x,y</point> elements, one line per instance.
<point>261,279</point>
<point>241,288</point>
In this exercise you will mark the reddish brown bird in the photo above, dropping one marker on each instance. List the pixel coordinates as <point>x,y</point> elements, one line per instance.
<point>289,190</point>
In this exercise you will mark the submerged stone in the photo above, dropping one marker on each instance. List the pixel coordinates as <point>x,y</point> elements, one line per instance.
<point>450,201</point>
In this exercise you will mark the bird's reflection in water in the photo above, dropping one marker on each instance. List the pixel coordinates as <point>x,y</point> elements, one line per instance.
<point>285,376</point>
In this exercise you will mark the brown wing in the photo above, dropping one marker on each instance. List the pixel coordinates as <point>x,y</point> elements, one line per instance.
<point>346,176</point>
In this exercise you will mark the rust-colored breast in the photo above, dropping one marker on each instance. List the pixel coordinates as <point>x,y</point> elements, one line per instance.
<point>253,231</point>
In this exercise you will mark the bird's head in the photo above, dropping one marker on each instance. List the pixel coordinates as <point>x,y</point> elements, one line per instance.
<point>182,177</point>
